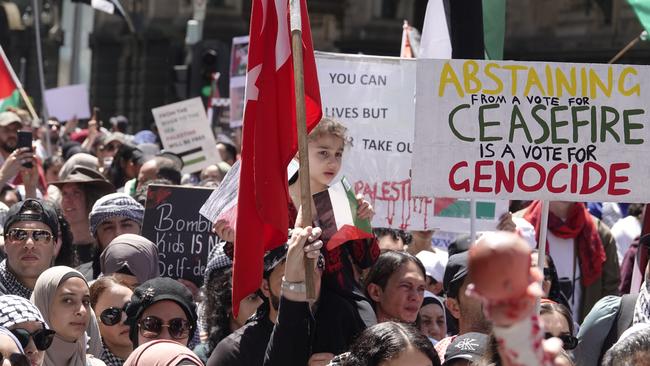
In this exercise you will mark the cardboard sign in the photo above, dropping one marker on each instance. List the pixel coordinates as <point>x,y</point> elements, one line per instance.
<point>184,237</point>
<point>238,65</point>
<point>68,102</point>
<point>532,130</point>
<point>374,98</point>
<point>184,130</point>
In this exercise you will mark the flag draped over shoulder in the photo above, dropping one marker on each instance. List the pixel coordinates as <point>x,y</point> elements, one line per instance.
<point>337,215</point>
<point>269,138</point>
<point>9,93</point>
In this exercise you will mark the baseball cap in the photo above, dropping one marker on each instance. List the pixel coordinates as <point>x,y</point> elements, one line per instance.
<point>461,244</point>
<point>469,346</point>
<point>434,263</point>
<point>455,274</point>
<point>8,118</point>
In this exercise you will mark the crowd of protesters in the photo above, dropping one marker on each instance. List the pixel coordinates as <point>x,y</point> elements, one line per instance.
<point>80,286</point>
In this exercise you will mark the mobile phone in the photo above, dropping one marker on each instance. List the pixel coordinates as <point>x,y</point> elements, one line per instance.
<point>25,140</point>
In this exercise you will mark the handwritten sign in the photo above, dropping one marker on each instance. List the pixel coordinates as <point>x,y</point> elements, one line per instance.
<point>185,130</point>
<point>557,131</point>
<point>184,237</point>
<point>374,98</point>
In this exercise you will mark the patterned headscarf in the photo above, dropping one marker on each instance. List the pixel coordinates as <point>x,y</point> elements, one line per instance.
<point>15,310</point>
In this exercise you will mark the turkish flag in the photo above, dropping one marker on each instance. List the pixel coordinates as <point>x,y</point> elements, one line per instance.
<point>269,138</point>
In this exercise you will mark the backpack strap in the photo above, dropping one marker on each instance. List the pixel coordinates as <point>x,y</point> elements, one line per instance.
<point>623,320</point>
<point>625,314</point>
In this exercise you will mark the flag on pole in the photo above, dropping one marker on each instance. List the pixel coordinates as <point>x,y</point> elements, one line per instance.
<point>494,28</point>
<point>337,215</point>
<point>269,138</point>
<point>436,40</point>
<point>642,10</point>
<point>9,85</point>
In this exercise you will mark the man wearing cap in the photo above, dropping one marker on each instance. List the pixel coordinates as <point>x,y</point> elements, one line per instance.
<point>79,191</point>
<point>30,234</point>
<point>434,264</point>
<point>247,345</point>
<point>468,310</point>
<point>11,158</point>
<point>466,349</point>
<point>111,216</point>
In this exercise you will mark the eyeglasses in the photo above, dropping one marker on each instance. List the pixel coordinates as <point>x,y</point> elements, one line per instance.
<point>151,327</point>
<point>112,315</point>
<point>16,359</point>
<point>42,337</point>
<point>21,235</point>
<point>569,342</point>
<point>548,274</point>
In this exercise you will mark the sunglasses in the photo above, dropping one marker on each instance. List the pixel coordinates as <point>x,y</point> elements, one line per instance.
<point>569,342</point>
<point>16,359</point>
<point>112,315</point>
<point>42,337</point>
<point>21,235</point>
<point>151,327</point>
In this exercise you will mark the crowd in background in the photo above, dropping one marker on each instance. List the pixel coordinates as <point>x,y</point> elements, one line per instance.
<point>81,286</point>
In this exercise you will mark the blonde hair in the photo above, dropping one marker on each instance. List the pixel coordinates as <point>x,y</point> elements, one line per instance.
<point>328,126</point>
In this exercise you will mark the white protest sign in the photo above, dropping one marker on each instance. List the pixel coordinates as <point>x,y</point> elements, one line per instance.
<point>532,130</point>
<point>68,102</point>
<point>184,130</point>
<point>374,98</point>
<point>238,65</point>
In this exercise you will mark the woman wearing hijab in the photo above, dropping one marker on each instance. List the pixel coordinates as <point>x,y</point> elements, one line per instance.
<point>431,321</point>
<point>132,258</point>
<point>162,352</point>
<point>10,349</point>
<point>25,321</point>
<point>63,297</point>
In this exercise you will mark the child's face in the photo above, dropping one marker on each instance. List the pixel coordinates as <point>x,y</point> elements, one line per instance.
<point>325,155</point>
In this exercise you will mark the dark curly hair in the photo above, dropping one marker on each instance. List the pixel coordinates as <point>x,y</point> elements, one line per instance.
<point>218,306</point>
<point>66,256</point>
<point>385,341</point>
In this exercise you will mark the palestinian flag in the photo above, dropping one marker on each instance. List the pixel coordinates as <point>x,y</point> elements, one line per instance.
<point>337,215</point>
<point>9,93</point>
<point>642,10</point>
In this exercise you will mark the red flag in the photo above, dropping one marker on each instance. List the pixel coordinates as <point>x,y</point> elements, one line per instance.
<point>269,138</point>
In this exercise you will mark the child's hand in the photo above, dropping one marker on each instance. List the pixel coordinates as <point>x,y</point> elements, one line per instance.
<point>224,231</point>
<point>364,210</point>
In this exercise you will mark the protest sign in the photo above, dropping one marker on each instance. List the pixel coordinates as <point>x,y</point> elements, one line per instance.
<point>374,98</point>
<point>184,130</point>
<point>238,65</point>
<point>531,130</point>
<point>68,102</point>
<point>184,238</point>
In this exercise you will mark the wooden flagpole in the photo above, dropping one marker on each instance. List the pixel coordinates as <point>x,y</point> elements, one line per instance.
<point>301,121</point>
<point>627,48</point>
<point>23,95</point>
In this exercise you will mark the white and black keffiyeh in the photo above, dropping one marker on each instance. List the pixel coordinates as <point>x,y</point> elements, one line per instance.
<point>109,358</point>
<point>642,307</point>
<point>11,283</point>
<point>15,310</point>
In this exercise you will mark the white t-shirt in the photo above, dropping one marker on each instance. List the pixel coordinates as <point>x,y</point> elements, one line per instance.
<point>625,231</point>
<point>562,252</point>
